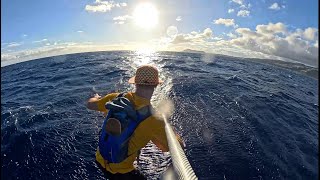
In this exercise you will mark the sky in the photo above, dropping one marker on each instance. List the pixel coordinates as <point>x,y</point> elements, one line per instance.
<point>273,29</point>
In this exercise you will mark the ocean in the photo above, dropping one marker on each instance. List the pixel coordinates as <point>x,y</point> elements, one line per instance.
<point>239,119</point>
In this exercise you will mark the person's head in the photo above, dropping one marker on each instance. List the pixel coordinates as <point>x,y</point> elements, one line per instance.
<point>146,80</point>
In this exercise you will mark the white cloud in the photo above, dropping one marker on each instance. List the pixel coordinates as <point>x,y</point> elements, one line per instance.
<point>274,6</point>
<point>230,11</point>
<point>247,33</point>
<point>217,38</point>
<point>103,6</point>
<point>266,40</point>
<point>226,22</point>
<point>5,57</point>
<point>231,35</point>
<point>243,6</point>
<point>243,13</point>
<point>310,34</point>
<point>240,2</point>
<point>40,41</point>
<point>272,28</point>
<point>80,31</point>
<point>59,49</point>
<point>178,18</point>
<point>272,41</point>
<point>24,35</point>
<point>193,37</point>
<point>122,19</point>
<point>98,8</point>
<point>14,44</point>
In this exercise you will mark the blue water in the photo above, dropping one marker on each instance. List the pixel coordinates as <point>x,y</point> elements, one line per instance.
<point>239,119</point>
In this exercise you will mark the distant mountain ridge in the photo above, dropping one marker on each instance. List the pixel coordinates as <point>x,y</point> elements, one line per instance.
<point>193,51</point>
<point>298,67</point>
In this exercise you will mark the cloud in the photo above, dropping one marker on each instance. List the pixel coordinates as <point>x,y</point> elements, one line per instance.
<point>24,35</point>
<point>226,22</point>
<point>181,38</point>
<point>58,49</point>
<point>80,31</point>
<point>40,41</point>
<point>243,13</point>
<point>243,6</point>
<point>179,18</point>
<point>274,6</point>
<point>122,19</point>
<point>193,37</point>
<point>230,11</point>
<point>240,2</point>
<point>98,8</point>
<point>310,34</point>
<point>5,57</point>
<point>231,35</point>
<point>291,45</point>
<point>103,6</point>
<point>217,38</point>
<point>14,44</point>
<point>271,28</point>
<point>271,41</point>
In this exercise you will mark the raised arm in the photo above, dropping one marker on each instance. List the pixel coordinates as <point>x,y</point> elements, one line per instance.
<point>93,102</point>
<point>97,102</point>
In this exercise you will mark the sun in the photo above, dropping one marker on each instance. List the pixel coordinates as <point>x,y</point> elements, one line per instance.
<point>145,15</point>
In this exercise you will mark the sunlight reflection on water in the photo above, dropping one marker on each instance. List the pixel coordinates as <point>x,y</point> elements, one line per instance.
<point>160,98</point>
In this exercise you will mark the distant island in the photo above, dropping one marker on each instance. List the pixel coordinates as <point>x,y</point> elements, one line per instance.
<point>297,67</point>
<point>193,51</point>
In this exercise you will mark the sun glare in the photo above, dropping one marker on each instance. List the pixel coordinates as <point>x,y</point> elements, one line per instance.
<point>145,16</point>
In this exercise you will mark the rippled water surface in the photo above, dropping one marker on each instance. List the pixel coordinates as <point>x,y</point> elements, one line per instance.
<point>239,119</point>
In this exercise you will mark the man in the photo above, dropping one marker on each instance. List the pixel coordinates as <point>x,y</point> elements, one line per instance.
<point>146,80</point>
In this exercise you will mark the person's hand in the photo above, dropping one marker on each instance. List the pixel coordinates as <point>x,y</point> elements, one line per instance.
<point>96,95</point>
<point>92,102</point>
